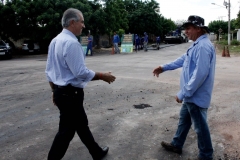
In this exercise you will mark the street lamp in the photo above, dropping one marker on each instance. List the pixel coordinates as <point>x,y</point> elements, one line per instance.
<point>227,5</point>
<point>221,17</point>
<point>217,5</point>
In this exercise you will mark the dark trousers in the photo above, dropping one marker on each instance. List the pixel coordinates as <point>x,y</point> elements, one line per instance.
<point>73,118</point>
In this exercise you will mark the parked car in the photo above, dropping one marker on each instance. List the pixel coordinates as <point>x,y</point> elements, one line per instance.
<point>30,46</point>
<point>5,50</point>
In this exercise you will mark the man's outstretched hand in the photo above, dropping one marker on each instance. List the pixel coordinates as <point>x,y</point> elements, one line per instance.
<point>107,77</point>
<point>157,71</point>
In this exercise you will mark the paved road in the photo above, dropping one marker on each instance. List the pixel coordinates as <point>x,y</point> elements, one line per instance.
<point>29,120</point>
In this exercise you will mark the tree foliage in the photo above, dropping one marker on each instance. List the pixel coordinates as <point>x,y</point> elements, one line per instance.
<point>237,21</point>
<point>143,16</point>
<point>214,26</point>
<point>41,20</point>
<point>167,25</point>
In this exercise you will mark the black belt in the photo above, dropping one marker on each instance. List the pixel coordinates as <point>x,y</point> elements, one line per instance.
<point>69,88</point>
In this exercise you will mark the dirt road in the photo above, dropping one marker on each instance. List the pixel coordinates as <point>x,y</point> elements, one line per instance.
<point>29,120</point>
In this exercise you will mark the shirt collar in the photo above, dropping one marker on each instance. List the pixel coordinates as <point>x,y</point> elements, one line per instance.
<point>199,38</point>
<point>196,42</point>
<point>66,31</point>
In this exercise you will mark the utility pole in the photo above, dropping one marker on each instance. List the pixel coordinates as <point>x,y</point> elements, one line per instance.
<point>229,20</point>
<point>228,7</point>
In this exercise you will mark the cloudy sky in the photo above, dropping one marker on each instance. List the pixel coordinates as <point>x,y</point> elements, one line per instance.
<point>181,9</point>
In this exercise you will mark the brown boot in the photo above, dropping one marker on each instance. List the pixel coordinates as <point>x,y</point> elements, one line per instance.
<point>170,147</point>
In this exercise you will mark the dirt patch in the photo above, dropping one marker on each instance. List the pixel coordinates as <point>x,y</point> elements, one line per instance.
<point>141,106</point>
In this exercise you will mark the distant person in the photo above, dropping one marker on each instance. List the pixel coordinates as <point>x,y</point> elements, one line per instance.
<point>196,85</point>
<point>158,40</point>
<point>137,42</point>
<point>68,76</point>
<point>141,42</point>
<point>89,46</point>
<point>145,42</point>
<point>177,31</point>
<point>116,40</point>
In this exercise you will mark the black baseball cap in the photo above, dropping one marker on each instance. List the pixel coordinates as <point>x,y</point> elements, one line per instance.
<point>197,21</point>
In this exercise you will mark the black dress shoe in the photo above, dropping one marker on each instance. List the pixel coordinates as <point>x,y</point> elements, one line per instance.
<point>104,151</point>
<point>102,154</point>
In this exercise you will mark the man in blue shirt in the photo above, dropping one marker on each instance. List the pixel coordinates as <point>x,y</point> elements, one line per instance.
<point>67,76</point>
<point>89,46</point>
<point>137,42</point>
<point>116,40</point>
<point>158,39</point>
<point>196,85</point>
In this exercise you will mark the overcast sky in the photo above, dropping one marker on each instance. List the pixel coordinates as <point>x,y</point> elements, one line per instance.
<point>181,9</point>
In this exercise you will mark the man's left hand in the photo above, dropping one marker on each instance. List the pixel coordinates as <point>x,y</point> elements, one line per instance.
<point>178,100</point>
<point>107,77</point>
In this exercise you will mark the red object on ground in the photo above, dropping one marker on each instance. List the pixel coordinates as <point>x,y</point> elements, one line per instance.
<point>227,52</point>
<point>223,52</point>
<point>112,50</point>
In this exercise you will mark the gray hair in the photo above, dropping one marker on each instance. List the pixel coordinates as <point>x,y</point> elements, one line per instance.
<point>203,30</point>
<point>70,14</point>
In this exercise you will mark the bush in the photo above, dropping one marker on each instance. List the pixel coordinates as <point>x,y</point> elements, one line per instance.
<point>223,42</point>
<point>235,42</point>
<point>225,37</point>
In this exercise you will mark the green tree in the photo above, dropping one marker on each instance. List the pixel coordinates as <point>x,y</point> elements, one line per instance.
<point>214,26</point>
<point>116,15</point>
<point>237,21</point>
<point>97,22</point>
<point>36,19</point>
<point>143,16</point>
<point>8,25</point>
<point>167,25</point>
<point>41,20</point>
<point>51,14</point>
<point>120,33</point>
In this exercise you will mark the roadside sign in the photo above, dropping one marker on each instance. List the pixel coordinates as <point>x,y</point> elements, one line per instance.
<point>84,43</point>
<point>127,43</point>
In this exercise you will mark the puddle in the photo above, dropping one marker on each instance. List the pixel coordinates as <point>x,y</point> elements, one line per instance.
<point>141,106</point>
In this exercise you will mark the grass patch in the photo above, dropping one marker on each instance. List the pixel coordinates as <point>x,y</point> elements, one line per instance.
<point>234,48</point>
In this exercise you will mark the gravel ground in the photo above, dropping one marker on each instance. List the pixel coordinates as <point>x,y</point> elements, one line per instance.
<point>29,120</point>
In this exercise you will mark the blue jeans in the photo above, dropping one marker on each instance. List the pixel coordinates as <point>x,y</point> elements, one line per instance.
<point>137,46</point>
<point>116,49</point>
<point>145,46</point>
<point>191,113</point>
<point>89,48</point>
